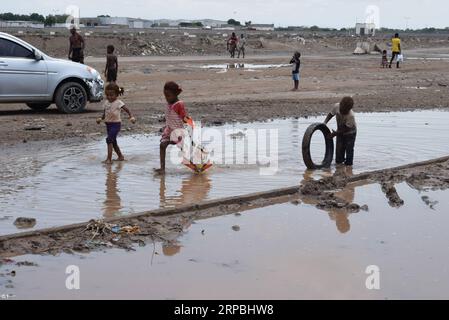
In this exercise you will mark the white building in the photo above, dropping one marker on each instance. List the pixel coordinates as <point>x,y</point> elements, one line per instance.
<point>365,29</point>
<point>262,27</point>
<point>21,24</point>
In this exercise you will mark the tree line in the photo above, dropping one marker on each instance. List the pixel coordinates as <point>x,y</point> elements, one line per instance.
<point>48,20</point>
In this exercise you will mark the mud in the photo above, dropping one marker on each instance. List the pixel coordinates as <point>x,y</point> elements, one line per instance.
<point>239,96</point>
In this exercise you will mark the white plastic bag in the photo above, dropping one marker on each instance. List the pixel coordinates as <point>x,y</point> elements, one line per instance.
<point>400,57</point>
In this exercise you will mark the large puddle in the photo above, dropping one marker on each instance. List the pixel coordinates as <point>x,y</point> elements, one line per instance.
<point>245,66</point>
<point>63,184</point>
<point>285,251</point>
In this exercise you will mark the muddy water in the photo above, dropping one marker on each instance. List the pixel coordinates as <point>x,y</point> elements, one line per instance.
<point>245,66</point>
<point>285,251</point>
<point>66,183</point>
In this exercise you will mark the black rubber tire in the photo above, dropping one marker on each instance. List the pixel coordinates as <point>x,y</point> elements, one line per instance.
<point>71,97</point>
<point>329,155</point>
<point>39,106</point>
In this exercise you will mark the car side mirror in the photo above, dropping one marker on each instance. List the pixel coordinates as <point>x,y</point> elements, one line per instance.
<point>37,55</point>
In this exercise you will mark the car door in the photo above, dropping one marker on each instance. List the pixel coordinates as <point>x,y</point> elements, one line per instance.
<point>22,77</point>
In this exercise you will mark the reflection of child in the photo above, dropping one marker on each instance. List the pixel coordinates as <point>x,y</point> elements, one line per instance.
<point>112,117</point>
<point>346,132</point>
<point>384,63</point>
<point>175,117</point>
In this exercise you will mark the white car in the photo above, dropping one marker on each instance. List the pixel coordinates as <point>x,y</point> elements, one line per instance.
<point>29,76</point>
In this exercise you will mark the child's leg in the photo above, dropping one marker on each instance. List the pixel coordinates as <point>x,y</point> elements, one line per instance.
<point>118,151</point>
<point>349,149</point>
<point>109,157</point>
<point>340,150</point>
<point>162,154</point>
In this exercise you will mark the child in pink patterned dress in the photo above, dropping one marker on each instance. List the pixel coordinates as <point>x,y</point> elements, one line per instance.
<point>175,117</point>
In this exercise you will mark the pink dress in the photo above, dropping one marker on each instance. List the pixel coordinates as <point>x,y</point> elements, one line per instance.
<point>174,119</point>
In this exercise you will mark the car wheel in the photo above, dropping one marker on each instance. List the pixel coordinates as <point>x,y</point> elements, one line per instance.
<point>38,106</point>
<point>71,97</point>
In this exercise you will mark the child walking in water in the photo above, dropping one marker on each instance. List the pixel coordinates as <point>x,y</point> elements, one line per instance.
<point>175,117</point>
<point>112,118</point>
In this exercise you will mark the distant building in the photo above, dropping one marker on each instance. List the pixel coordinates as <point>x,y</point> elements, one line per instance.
<point>21,24</point>
<point>139,23</point>
<point>365,29</point>
<point>262,27</point>
<point>124,22</point>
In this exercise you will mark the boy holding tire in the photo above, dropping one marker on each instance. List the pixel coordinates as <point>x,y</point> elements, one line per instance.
<point>346,130</point>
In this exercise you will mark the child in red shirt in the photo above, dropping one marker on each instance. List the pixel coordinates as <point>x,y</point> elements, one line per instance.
<point>175,117</point>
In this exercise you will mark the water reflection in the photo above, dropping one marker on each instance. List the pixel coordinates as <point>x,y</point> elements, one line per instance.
<point>194,189</point>
<point>112,203</point>
<point>339,215</point>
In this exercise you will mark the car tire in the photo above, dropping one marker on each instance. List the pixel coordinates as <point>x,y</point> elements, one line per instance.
<point>71,97</point>
<point>38,106</point>
<point>329,154</point>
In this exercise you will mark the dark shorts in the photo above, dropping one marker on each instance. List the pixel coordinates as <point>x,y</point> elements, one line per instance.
<point>113,129</point>
<point>112,75</point>
<point>78,55</point>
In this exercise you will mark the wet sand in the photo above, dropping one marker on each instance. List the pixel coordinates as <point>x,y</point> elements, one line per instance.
<point>245,95</point>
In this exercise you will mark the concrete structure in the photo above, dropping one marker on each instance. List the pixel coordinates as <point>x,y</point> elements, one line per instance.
<point>262,27</point>
<point>365,29</point>
<point>124,22</point>
<point>21,24</point>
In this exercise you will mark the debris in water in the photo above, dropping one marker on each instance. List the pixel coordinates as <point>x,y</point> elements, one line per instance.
<point>25,223</point>
<point>236,228</point>
<point>431,204</point>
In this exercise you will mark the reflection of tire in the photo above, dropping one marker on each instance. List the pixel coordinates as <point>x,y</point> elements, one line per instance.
<point>38,106</point>
<point>329,155</point>
<point>71,97</point>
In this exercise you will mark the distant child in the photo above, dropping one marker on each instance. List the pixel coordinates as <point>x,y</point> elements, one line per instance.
<point>112,118</point>
<point>346,132</point>
<point>241,46</point>
<point>384,59</point>
<point>295,71</point>
<point>175,117</point>
<point>111,69</point>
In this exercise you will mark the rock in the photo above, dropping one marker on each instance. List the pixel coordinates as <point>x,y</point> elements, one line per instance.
<point>25,223</point>
<point>236,228</point>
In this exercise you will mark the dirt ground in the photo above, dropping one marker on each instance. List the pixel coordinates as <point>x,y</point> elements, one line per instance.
<point>216,96</point>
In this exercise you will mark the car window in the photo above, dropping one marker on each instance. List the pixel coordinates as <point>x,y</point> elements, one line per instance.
<point>12,49</point>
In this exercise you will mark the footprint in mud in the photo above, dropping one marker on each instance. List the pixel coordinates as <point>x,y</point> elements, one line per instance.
<point>431,204</point>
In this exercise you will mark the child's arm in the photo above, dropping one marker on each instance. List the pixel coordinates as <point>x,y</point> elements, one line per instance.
<point>131,118</point>
<point>116,63</point>
<point>106,68</point>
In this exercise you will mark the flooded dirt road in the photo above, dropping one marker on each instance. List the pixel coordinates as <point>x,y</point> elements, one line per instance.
<point>284,251</point>
<point>65,183</point>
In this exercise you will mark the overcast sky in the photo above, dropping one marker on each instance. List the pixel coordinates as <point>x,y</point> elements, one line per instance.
<point>324,13</point>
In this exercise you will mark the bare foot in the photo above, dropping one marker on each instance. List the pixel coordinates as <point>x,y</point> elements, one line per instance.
<point>159,171</point>
<point>294,89</point>
<point>107,161</point>
<point>122,158</point>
